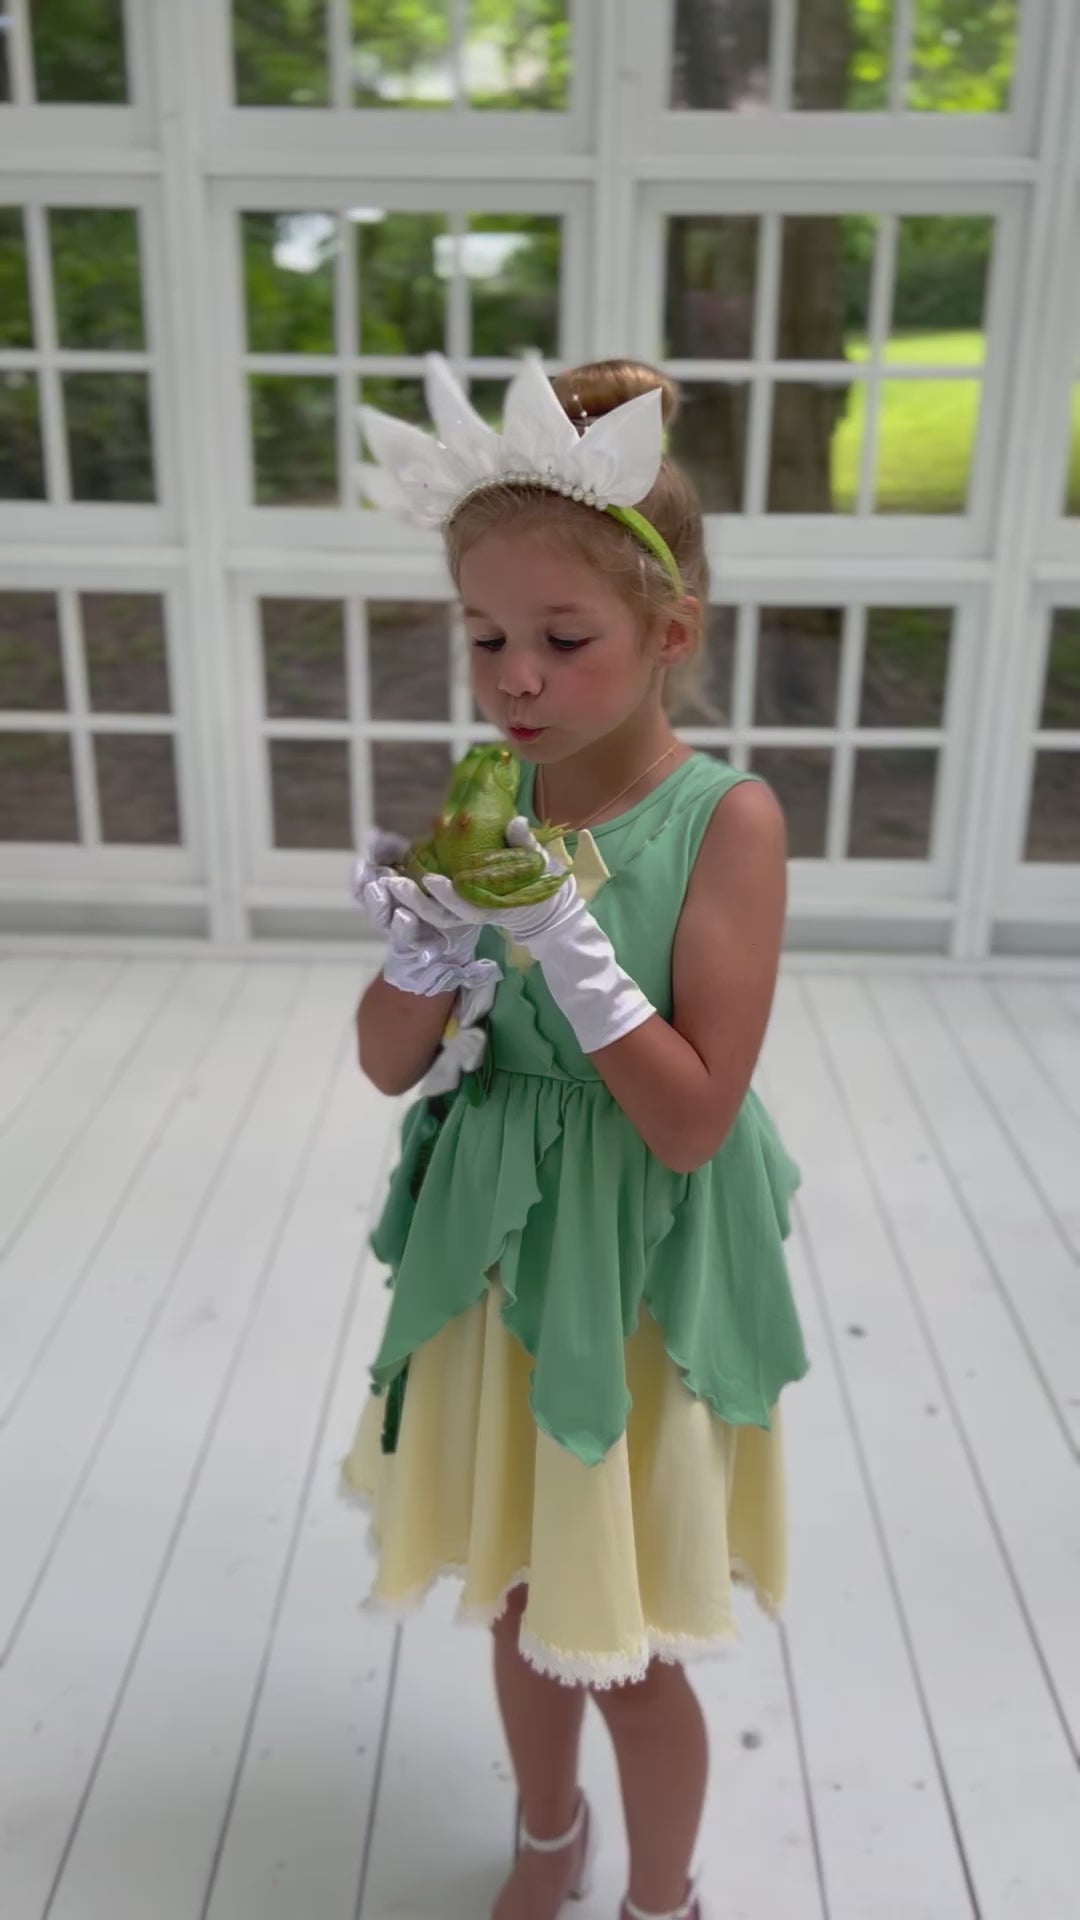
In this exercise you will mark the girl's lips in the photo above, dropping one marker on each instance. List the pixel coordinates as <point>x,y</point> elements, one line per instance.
<point>525,733</point>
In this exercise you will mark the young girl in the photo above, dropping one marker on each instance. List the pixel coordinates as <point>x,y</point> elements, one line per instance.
<point>590,1323</point>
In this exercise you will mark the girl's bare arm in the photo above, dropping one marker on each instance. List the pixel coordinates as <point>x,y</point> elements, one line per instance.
<point>398,1034</point>
<point>681,1085</point>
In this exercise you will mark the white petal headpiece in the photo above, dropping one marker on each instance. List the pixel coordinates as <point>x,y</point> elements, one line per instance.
<point>611,466</point>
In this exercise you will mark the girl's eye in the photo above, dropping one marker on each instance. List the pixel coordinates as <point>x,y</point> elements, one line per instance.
<point>566,646</point>
<point>490,646</point>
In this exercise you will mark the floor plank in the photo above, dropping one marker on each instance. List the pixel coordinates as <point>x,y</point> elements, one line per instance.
<point>50,1440</point>
<point>883,1818</point>
<point>37,1039</point>
<point>1033,1268</point>
<point>1043,1132</point>
<point>1008,1769</point>
<point>68,1100</point>
<point>65,1680</point>
<point>1042,1020</point>
<point>1032,1497</point>
<point>170,1757</point>
<point>62,1236</point>
<point>22,983</point>
<point>305,1793</point>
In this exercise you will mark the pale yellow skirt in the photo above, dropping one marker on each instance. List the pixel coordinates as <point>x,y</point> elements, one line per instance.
<point>627,1561</point>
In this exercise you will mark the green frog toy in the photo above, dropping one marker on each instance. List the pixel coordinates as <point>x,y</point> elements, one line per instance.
<point>467,842</point>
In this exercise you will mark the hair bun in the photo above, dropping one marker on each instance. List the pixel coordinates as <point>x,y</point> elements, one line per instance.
<point>588,392</point>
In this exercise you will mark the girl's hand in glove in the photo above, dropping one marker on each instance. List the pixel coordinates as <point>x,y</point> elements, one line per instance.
<point>426,956</point>
<point>600,1001</point>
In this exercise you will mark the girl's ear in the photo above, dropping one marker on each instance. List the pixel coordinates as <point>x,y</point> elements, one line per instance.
<point>679,632</point>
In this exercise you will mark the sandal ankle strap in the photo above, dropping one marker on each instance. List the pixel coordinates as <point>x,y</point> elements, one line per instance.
<point>688,1911</point>
<point>567,1839</point>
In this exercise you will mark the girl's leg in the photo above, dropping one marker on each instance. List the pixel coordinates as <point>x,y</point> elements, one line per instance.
<point>543,1732</point>
<point>658,1733</point>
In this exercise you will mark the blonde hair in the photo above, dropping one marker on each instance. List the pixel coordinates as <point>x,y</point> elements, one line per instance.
<point>586,394</point>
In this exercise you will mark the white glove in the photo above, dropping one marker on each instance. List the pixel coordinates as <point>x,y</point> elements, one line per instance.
<point>586,982</point>
<point>425,957</point>
<point>372,872</point>
<point>464,1050</point>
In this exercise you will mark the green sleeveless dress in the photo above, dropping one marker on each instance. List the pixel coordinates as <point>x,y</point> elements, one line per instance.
<point>536,1177</point>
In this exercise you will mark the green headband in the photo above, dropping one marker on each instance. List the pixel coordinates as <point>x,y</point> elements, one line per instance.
<point>644,531</point>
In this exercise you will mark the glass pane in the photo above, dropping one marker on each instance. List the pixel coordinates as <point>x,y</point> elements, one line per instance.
<point>96,280</point>
<point>720,58</point>
<point>31,671</point>
<point>892,808</point>
<point>37,789</point>
<point>409,659</point>
<point>963,56</point>
<point>136,779</point>
<point>1054,819</point>
<point>294,434</point>
<point>16,326</point>
<point>489,399</point>
<point>711,280</point>
<point>404,398</point>
<point>842,56</point>
<point>402,278</point>
<point>926,438</point>
<point>401,53</point>
<point>513,267</point>
<point>1061,694</point>
<point>127,666</point>
<point>798,666</point>
<point>280,53</point>
<point>708,438</point>
<point>940,298</point>
<point>817,433</point>
<point>906,666</point>
<point>410,782</point>
<point>303,648</point>
<point>518,57</point>
<point>22,467</point>
<point>289,281</point>
<point>309,783</point>
<point>1072,480</point>
<point>800,778</point>
<point>703,692</point>
<point>109,442</point>
<point>826,264</point>
<point>79,50</point>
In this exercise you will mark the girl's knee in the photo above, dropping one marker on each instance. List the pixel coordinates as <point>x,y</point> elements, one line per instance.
<point>638,1701</point>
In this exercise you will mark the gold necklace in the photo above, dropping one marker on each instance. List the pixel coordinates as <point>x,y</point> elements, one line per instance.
<point>636,781</point>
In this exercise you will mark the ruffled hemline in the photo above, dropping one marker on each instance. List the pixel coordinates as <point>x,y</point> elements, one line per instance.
<point>597,1672</point>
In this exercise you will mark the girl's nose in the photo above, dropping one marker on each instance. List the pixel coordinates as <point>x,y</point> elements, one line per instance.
<point>520,678</point>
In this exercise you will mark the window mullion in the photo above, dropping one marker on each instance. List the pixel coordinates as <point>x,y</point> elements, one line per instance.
<point>41,296</point>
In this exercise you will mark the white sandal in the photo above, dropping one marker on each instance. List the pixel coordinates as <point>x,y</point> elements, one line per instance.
<point>691,1909</point>
<point>583,1821</point>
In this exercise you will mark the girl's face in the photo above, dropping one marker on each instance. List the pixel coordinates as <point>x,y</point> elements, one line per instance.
<point>558,658</point>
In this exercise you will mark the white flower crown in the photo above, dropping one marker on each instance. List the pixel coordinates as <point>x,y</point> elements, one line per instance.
<point>610,466</point>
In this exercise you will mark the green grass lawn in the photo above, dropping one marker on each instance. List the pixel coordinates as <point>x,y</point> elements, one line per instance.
<point>926,432</point>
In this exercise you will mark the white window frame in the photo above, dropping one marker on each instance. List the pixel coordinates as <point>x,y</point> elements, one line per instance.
<point>354,527</point>
<point>785,138</point>
<point>838,536</point>
<point>336,135</point>
<point>91,522</point>
<point>152,874</point>
<point>1042,890</point>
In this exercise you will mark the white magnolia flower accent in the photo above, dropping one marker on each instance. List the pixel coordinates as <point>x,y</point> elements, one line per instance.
<point>614,463</point>
<point>464,1041</point>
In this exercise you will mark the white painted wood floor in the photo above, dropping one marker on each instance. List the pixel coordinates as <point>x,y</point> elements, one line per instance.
<point>198,1722</point>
